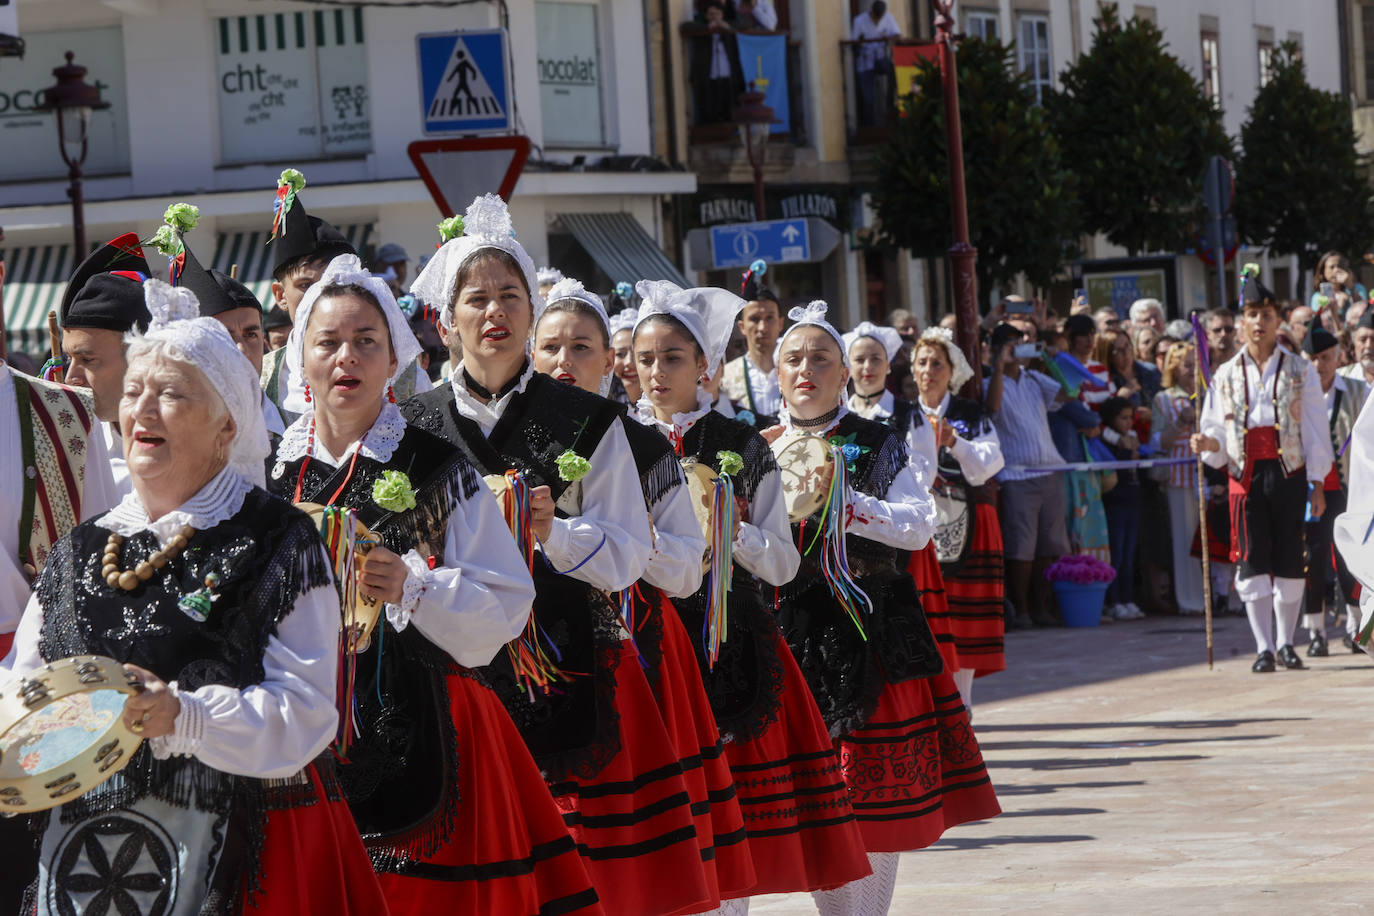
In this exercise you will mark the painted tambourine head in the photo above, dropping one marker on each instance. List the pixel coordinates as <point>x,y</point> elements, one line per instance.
<point>806,464</point>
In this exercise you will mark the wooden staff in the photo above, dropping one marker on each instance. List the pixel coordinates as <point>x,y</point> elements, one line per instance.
<point>55,343</point>
<point>1198,396</point>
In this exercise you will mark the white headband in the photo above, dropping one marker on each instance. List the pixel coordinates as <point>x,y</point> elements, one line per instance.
<point>813,315</point>
<point>960,370</point>
<point>548,275</point>
<point>205,344</point>
<point>889,338</point>
<point>568,288</point>
<point>347,270</point>
<point>624,320</point>
<point>708,314</point>
<point>485,225</point>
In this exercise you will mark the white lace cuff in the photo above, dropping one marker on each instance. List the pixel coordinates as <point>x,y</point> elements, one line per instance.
<point>417,580</point>
<point>188,729</point>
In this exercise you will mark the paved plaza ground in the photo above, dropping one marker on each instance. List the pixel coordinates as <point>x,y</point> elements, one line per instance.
<point>1134,780</point>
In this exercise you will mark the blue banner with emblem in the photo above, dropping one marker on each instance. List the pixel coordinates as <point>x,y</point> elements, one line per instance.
<point>763,58</point>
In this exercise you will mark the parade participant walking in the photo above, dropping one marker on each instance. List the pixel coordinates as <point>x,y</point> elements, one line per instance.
<point>1264,420</point>
<point>751,381</point>
<point>1328,580</point>
<point>799,820</point>
<point>103,302</point>
<point>970,454</point>
<point>855,625</point>
<point>622,325</point>
<point>579,697</point>
<point>230,626</point>
<point>461,820</point>
<point>571,343</point>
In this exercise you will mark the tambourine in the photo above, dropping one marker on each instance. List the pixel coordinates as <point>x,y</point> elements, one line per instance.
<point>701,485</point>
<point>359,617</point>
<point>62,732</point>
<point>806,465</point>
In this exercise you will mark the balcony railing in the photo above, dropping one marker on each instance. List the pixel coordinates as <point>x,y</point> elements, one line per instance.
<point>711,102</point>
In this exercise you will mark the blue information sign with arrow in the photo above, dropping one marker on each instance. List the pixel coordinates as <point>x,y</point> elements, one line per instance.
<point>777,241</point>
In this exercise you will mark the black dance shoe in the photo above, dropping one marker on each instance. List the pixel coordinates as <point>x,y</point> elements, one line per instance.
<point>1289,658</point>
<point>1317,647</point>
<point>1264,664</point>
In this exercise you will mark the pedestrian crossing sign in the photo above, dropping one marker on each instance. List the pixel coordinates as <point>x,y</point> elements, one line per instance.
<point>465,81</point>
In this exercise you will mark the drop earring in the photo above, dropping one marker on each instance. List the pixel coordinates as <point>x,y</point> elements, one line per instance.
<point>391,394</point>
<point>307,392</point>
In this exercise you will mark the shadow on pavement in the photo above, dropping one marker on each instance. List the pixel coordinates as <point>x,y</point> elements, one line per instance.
<point>1062,763</point>
<point>1135,723</point>
<point>1050,812</point>
<point>994,841</point>
<point>1103,745</point>
<point>1049,788</point>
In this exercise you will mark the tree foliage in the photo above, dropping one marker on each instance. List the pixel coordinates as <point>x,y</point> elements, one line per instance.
<point>1300,186</point>
<point>1020,200</point>
<point>1137,131</point>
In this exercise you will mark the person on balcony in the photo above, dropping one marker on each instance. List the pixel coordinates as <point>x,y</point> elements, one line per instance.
<point>873,56</point>
<point>717,77</point>
<point>757,14</point>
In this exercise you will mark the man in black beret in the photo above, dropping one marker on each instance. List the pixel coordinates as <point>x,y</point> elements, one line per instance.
<point>1326,569</point>
<point>277,324</point>
<point>1362,339</point>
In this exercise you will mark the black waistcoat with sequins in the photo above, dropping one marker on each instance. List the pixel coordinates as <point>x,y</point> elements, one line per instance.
<point>265,558</point>
<point>745,685</point>
<point>400,779</point>
<point>845,671</point>
<point>573,729</point>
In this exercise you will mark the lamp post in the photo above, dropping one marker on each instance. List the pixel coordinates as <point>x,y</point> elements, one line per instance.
<point>755,122</point>
<point>962,255</point>
<point>73,100</point>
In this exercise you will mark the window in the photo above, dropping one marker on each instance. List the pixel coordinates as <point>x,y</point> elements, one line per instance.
<point>1146,14</point>
<point>981,24</point>
<point>1033,52</point>
<point>569,74</point>
<point>292,86</point>
<point>1266,62</point>
<point>1367,40</point>
<point>1211,67</point>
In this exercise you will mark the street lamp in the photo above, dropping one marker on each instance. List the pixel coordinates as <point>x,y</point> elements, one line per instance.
<point>755,122</point>
<point>73,100</point>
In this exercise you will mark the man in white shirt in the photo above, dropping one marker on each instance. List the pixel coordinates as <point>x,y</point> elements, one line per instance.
<point>873,56</point>
<point>751,381</point>
<point>1264,420</point>
<point>758,14</point>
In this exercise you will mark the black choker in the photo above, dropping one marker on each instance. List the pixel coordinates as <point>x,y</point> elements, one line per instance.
<point>870,398</point>
<point>820,422</point>
<point>486,395</point>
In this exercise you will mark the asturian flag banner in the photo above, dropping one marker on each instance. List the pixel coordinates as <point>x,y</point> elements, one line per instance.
<point>763,58</point>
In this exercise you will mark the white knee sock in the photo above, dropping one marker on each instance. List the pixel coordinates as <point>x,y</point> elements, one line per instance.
<point>871,896</point>
<point>1260,611</point>
<point>737,907</point>
<point>1287,607</point>
<point>963,679</point>
<point>1314,623</point>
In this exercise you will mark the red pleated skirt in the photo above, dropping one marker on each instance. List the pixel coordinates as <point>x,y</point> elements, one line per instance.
<point>633,821</point>
<point>974,598</point>
<point>509,853</point>
<point>691,726</point>
<point>801,827</point>
<point>924,568</point>
<point>915,769</point>
<point>313,861</point>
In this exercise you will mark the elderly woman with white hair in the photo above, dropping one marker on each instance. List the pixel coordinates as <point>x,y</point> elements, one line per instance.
<point>218,599</point>
<point>1147,313</point>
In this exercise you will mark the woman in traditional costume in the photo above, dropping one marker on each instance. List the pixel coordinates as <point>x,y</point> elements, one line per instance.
<point>575,690</point>
<point>622,330</point>
<point>219,599</point>
<point>854,622</point>
<point>799,821</point>
<point>450,804</point>
<point>571,343</point>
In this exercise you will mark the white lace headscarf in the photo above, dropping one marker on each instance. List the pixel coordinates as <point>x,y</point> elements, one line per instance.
<point>812,315</point>
<point>178,332</point>
<point>889,338</point>
<point>485,225</point>
<point>568,288</point>
<point>550,275</point>
<point>347,270</point>
<point>624,320</point>
<point>960,370</point>
<point>708,314</point>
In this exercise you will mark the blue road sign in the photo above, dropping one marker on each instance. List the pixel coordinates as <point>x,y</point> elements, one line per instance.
<point>465,82</point>
<point>777,241</point>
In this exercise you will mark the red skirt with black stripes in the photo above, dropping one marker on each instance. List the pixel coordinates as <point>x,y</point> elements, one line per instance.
<point>801,827</point>
<point>509,853</point>
<point>924,567</point>
<point>973,598</point>
<point>686,710</point>
<point>915,769</point>
<point>633,821</point>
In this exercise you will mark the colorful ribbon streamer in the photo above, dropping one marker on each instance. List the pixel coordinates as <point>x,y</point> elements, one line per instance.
<point>535,667</point>
<point>720,575</point>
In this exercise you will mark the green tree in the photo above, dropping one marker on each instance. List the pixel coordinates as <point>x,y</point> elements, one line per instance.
<point>1137,131</point>
<point>1300,186</point>
<point>1020,200</point>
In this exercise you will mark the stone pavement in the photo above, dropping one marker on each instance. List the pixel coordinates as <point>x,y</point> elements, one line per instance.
<point>1134,779</point>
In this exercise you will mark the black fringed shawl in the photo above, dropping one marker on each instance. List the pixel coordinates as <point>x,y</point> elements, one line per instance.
<point>845,672</point>
<point>401,776</point>
<point>266,556</point>
<point>572,731</point>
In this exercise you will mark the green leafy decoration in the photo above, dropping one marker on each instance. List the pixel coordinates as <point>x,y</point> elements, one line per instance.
<point>182,216</point>
<point>451,228</point>
<point>293,179</point>
<point>730,462</point>
<point>572,466</point>
<point>393,492</point>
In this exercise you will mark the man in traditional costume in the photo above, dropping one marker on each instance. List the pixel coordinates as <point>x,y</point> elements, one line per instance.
<point>751,381</point>
<point>1264,420</point>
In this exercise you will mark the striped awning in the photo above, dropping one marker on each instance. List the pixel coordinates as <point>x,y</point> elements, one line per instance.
<point>253,257</point>
<point>35,277</point>
<point>620,246</point>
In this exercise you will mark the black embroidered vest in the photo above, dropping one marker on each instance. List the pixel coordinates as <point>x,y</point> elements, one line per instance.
<point>969,420</point>
<point>573,729</point>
